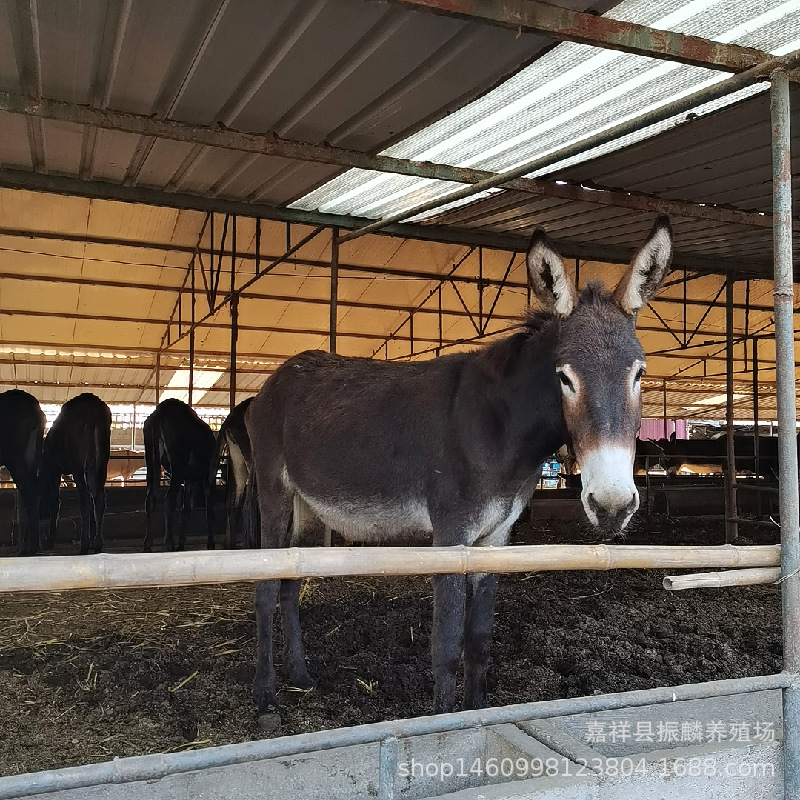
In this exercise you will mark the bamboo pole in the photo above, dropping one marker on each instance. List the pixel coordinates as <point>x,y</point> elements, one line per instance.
<point>138,570</point>
<point>716,580</point>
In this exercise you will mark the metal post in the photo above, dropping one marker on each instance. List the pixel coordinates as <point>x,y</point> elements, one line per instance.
<point>334,286</point>
<point>787,422</point>
<point>328,533</point>
<point>731,525</point>
<point>480,290</point>
<point>664,387</point>
<point>191,336</point>
<point>234,339</point>
<point>133,429</point>
<point>756,433</point>
<point>158,375</point>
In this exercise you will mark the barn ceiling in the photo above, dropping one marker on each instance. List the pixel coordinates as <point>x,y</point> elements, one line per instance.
<point>102,230</point>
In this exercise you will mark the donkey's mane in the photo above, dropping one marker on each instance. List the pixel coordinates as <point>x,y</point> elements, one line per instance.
<point>500,355</point>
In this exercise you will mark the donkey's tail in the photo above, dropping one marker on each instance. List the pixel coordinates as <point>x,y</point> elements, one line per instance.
<point>251,516</point>
<point>216,455</point>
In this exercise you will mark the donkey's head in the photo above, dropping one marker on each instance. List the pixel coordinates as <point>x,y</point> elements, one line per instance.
<point>599,363</point>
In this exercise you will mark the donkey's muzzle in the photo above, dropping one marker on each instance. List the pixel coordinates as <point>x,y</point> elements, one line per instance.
<point>612,517</point>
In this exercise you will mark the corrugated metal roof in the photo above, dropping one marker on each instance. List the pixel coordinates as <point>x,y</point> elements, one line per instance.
<point>352,73</point>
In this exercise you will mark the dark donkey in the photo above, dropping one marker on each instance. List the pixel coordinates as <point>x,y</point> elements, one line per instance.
<point>21,433</point>
<point>232,439</point>
<point>78,444</point>
<point>176,439</point>
<point>452,448</point>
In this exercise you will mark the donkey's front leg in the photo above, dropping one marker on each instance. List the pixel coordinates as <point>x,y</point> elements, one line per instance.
<point>478,638</point>
<point>264,688</point>
<point>447,638</point>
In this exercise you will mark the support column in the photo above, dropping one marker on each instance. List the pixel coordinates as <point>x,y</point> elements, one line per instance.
<point>756,438</point>
<point>158,375</point>
<point>191,338</point>
<point>664,389</point>
<point>787,420</point>
<point>731,514</point>
<point>328,534</point>
<point>334,286</point>
<point>234,340</point>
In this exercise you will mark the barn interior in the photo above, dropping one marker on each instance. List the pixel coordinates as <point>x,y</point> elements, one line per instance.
<point>192,193</point>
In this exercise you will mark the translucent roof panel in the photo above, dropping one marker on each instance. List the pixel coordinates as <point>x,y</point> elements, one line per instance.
<point>570,93</point>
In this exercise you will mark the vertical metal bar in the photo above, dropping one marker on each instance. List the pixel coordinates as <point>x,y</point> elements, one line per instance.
<point>577,276</point>
<point>440,319</point>
<point>731,526</point>
<point>480,291</point>
<point>191,336</point>
<point>328,532</point>
<point>684,308</point>
<point>133,428</point>
<point>756,442</point>
<point>258,244</point>
<point>787,423</point>
<point>158,375</point>
<point>664,389</point>
<point>234,340</point>
<point>233,256</point>
<point>334,286</point>
<point>411,331</point>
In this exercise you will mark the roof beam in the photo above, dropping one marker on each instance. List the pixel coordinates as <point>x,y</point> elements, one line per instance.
<point>101,190</point>
<point>531,16</point>
<point>227,139</point>
<point>203,323</point>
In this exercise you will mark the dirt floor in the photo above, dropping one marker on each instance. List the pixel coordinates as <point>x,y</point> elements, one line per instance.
<point>88,676</point>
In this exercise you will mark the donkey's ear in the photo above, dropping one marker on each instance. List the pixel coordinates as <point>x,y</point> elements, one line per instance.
<point>648,268</point>
<point>549,280</point>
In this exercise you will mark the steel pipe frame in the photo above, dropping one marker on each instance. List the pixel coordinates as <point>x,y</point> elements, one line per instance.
<point>731,511</point>
<point>55,184</point>
<point>516,246</point>
<point>499,283</point>
<point>789,498</point>
<point>267,144</point>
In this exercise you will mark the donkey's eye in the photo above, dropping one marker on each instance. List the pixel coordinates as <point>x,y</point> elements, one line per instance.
<point>639,374</point>
<point>565,381</point>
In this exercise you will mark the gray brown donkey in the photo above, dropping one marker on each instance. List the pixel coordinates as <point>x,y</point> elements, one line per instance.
<point>451,449</point>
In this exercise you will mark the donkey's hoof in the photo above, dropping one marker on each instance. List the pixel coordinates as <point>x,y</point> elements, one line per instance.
<point>269,721</point>
<point>301,680</point>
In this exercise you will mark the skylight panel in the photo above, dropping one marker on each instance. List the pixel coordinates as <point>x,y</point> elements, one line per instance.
<point>570,93</point>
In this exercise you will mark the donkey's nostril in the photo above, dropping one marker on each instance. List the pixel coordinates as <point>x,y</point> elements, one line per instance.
<point>593,504</point>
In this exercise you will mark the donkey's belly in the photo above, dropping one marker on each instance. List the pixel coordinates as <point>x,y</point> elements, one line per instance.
<point>369,520</point>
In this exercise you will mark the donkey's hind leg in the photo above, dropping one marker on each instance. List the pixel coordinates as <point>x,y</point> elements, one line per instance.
<point>275,505</point>
<point>304,522</point>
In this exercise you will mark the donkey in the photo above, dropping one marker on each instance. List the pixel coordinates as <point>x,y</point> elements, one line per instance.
<point>233,439</point>
<point>78,444</point>
<point>452,449</point>
<point>22,424</point>
<point>176,439</point>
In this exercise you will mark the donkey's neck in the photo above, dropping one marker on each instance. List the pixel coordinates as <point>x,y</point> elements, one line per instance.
<point>523,394</point>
